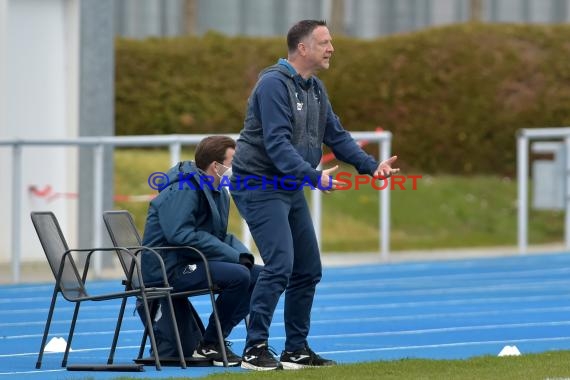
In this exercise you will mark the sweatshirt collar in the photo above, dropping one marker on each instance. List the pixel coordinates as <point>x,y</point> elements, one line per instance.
<point>306,83</point>
<point>285,62</point>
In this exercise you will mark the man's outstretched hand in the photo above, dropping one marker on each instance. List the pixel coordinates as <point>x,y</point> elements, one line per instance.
<point>385,169</point>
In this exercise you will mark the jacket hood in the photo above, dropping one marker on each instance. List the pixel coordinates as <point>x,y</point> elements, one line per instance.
<point>286,69</point>
<point>279,68</point>
<point>184,169</point>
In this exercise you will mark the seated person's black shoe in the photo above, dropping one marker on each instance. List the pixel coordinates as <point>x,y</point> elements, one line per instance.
<point>211,351</point>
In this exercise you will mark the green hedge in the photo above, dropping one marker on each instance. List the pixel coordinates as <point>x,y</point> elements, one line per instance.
<point>454,97</point>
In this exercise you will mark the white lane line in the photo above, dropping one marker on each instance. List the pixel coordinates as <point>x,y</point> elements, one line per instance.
<point>351,335</point>
<point>459,301</point>
<point>516,263</point>
<point>365,350</point>
<point>402,317</point>
<point>443,345</point>
<point>48,288</point>
<point>399,332</point>
<point>366,334</point>
<point>74,350</point>
<point>445,276</point>
<point>466,291</point>
<point>67,321</point>
<point>442,278</point>
<point>439,290</point>
<point>36,371</point>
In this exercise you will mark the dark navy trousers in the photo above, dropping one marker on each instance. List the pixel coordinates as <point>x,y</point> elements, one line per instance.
<point>281,225</point>
<point>236,283</point>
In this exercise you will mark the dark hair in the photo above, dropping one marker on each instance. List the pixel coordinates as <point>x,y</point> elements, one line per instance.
<point>301,30</point>
<point>212,148</point>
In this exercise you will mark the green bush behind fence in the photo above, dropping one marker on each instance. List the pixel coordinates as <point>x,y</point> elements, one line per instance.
<point>453,96</point>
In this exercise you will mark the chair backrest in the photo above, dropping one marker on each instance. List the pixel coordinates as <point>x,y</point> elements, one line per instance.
<point>123,233</point>
<point>54,246</point>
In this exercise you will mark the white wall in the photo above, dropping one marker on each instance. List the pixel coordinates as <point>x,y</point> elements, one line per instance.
<point>39,60</point>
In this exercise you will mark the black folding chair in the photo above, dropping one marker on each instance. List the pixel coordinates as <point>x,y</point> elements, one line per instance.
<point>124,233</point>
<point>73,287</point>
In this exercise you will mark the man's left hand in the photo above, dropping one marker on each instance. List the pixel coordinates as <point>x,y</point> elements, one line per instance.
<point>385,169</point>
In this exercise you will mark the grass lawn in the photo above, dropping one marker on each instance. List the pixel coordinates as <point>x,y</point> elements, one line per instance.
<point>548,365</point>
<point>552,365</point>
<point>443,212</point>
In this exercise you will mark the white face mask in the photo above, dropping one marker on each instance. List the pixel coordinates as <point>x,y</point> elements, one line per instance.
<point>226,173</point>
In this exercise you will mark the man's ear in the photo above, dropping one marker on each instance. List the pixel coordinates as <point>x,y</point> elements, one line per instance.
<point>302,49</point>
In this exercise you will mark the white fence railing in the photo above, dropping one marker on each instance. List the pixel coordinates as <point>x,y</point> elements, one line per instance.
<point>174,143</point>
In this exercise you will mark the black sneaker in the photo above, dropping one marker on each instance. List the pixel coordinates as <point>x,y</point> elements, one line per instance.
<point>260,357</point>
<point>211,351</point>
<point>304,358</point>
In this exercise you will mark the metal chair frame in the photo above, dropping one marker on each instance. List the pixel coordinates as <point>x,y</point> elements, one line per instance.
<point>73,286</point>
<point>134,241</point>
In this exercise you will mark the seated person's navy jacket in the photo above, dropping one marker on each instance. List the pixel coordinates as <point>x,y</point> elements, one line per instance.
<point>188,212</point>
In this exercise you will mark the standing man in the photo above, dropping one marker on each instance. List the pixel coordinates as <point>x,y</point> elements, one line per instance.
<point>288,118</point>
<point>192,210</point>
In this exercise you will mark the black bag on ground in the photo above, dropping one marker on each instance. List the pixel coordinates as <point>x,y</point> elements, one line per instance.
<point>190,326</point>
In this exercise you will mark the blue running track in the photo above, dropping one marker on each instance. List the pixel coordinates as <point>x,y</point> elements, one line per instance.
<point>442,310</point>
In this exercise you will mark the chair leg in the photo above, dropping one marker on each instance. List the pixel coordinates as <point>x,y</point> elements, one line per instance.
<point>176,333</point>
<point>219,328</point>
<point>70,335</point>
<point>151,332</point>
<point>117,329</point>
<point>143,343</point>
<point>153,310</point>
<point>46,329</point>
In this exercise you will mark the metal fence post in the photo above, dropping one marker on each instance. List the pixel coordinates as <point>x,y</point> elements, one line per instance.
<point>16,211</point>
<point>98,174</point>
<point>175,152</point>
<point>385,204</point>
<point>567,192</point>
<point>522,174</point>
<point>317,206</point>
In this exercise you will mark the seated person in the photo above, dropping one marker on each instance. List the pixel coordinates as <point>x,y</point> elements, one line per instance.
<point>192,210</point>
